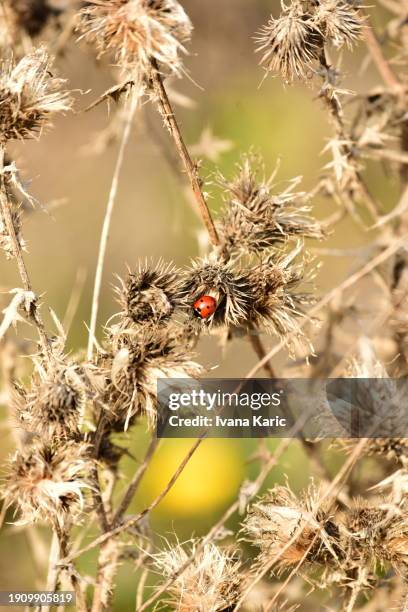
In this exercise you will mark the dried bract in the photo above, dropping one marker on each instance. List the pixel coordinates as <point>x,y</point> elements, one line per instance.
<point>29,96</point>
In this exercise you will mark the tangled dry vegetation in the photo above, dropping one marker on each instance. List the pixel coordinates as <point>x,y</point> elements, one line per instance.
<point>342,551</point>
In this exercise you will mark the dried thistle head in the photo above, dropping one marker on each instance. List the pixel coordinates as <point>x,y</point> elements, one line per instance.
<point>150,295</point>
<point>47,481</point>
<point>29,96</point>
<point>376,534</point>
<point>222,282</point>
<point>54,404</point>
<point>381,402</point>
<point>277,303</point>
<point>211,583</point>
<point>138,32</point>
<point>255,218</point>
<point>339,21</point>
<point>288,529</point>
<point>291,43</point>
<point>137,358</point>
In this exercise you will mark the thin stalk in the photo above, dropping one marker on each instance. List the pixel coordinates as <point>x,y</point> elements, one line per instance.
<point>107,222</point>
<point>133,485</point>
<point>18,254</point>
<point>388,75</point>
<point>346,284</point>
<point>53,569</point>
<point>190,167</point>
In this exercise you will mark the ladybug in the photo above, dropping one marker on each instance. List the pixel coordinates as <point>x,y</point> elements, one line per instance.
<point>205,306</point>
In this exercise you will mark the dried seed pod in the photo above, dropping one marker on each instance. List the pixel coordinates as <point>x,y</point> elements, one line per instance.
<point>290,529</point>
<point>47,481</point>
<point>212,582</point>
<point>255,218</point>
<point>291,43</point>
<point>376,534</point>
<point>339,21</point>
<point>54,404</point>
<point>150,295</point>
<point>137,359</point>
<point>29,96</point>
<point>277,305</point>
<point>137,32</point>
<point>222,282</point>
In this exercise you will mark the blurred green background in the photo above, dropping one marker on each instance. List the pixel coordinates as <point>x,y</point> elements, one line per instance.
<point>153,218</point>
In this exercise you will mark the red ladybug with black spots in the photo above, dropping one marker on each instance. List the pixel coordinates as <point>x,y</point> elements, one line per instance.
<point>205,306</point>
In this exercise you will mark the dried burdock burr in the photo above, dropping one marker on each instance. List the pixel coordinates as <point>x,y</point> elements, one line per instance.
<point>288,529</point>
<point>47,481</point>
<point>256,217</point>
<point>211,582</point>
<point>138,32</point>
<point>150,295</point>
<point>137,358</point>
<point>29,96</point>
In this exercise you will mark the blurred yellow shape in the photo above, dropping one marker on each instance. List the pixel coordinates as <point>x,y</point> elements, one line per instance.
<point>210,479</point>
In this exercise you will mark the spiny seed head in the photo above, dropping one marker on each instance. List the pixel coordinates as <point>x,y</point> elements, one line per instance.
<point>255,218</point>
<point>223,282</point>
<point>293,43</point>
<point>377,533</point>
<point>47,481</point>
<point>277,304</point>
<point>290,44</point>
<point>211,583</point>
<point>137,359</point>
<point>150,295</point>
<point>137,32</point>
<point>54,404</point>
<point>29,96</point>
<point>339,21</point>
<point>283,526</point>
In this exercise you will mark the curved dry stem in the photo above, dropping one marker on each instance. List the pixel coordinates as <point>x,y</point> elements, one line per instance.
<point>133,103</point>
